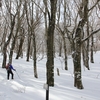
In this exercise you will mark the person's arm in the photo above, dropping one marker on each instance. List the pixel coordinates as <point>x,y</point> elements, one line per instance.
<point>12,68</point>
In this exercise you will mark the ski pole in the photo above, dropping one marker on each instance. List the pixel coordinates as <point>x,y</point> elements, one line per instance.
<point>17,74</point>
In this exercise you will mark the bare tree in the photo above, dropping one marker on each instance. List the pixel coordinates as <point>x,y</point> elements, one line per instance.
<point>50,40</point>
<point>12,24</point>
<point>20,44</point>
<point>33,22</point>
<point>83,12</point>
<point>62,30</point>
<point>18,27</point>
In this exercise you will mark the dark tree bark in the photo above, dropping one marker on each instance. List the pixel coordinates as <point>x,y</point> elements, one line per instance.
<point>83,12</point>
<point>60,48</point>
<point>91,55</point>
<point>12,47</point>
<point>64,39</point>
<point>65,51</point>
<point>20,52</point>
<point>34,41</point>
<point>29,30</point>
<point>34,56</point>
<point>77,59</point>
<point>4,37</point>
<point>84,53</point>
<point>28,47</point>
<point>50,44</point>
<point>87,47</point>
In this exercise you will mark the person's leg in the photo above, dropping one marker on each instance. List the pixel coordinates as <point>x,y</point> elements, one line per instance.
<point>8,75</point>
<point>12,75</point>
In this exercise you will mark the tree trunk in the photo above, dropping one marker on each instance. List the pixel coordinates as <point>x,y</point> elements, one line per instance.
<point>64,39</point>
<point>12,47</point>
<point>87,47</point>
<point>50,44</point>
<point>77,60</point>
<point>92,60</point>
<point>60,47</point>
<point>34,55</point>
<point>83,12</point>
<point>19,52</point>
<point>7,42</point>
<point>65,52</point>
<point>4,38</point>
<point>4,57</point>
<point>84,53</point>
<point>28,47</point>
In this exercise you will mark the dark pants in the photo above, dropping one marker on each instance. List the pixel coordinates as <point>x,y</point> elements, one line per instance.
<point>8,74</point>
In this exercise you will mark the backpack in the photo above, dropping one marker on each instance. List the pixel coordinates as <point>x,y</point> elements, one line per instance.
<point>8,67</point>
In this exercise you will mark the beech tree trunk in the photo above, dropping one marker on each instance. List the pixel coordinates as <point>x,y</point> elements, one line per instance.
<point>83,13</point>
<point>50,44</point>
<point>34,56</point>
<point>65,52</point>
<point>91,55</point>
<point>12,47</point>
<point>77,59</point>
<point>28,47</point>
<point>20,52</point>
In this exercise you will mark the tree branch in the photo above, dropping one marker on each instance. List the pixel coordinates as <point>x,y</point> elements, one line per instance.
<point>94,5</point>
<point>91,35</point>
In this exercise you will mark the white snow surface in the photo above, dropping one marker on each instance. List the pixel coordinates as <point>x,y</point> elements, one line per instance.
<point>26,87</point>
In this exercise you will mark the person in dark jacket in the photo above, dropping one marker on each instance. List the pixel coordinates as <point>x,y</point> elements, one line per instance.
<point>9,68</point>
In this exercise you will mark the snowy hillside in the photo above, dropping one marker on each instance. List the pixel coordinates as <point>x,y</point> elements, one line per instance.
<point>26,87</point>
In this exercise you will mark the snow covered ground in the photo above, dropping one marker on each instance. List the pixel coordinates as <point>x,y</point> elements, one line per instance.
<point>26,87</point>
